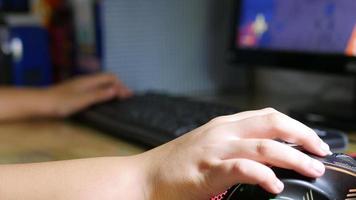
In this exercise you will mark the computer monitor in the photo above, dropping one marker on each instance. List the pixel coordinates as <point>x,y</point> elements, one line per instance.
<point>304,34</point>
<point>315,35</point>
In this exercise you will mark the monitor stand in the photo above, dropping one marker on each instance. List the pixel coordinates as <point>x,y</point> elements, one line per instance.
<point>339,115</point>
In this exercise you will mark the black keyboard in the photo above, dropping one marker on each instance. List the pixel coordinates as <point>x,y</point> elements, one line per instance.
<point>153,119</point>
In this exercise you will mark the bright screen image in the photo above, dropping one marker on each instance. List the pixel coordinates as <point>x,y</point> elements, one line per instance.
<point>313,26</point>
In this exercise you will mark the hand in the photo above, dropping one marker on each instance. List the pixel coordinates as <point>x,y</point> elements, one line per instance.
<point>232,149</point>
<point>74,95</point>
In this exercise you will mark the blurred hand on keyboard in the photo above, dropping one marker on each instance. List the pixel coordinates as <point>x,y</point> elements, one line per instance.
<point>231,149</point>
<point>77,94</point>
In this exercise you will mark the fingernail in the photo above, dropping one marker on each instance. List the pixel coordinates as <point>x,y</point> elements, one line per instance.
<point>325,147</point>
<point>318,167</point>
<point>279,186</point>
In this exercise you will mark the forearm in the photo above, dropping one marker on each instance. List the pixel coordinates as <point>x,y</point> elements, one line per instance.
<point>24,103</point>
<point>99,178</point>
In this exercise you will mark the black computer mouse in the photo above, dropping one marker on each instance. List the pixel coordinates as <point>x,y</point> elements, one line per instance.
<point>338,183</point>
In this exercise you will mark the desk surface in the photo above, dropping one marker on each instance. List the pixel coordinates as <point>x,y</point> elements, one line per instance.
<point>39,141</point>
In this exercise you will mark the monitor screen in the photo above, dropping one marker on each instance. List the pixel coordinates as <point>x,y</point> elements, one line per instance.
<point>307,26</point>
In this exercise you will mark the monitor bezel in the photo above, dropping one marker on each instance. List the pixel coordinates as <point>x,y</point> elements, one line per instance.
<point>318,62</point>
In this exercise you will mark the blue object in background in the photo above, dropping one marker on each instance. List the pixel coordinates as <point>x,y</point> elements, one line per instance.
<point>31,56</point>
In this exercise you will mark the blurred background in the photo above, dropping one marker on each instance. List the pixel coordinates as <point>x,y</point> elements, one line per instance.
<point>151,46</point>
<point>213,50</point>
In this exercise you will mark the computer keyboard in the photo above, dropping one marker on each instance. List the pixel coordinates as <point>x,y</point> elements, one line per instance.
<point>153,119</point>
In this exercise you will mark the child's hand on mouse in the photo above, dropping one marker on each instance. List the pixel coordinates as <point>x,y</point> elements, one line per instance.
<point>76,94</point>
<point>228,150</point>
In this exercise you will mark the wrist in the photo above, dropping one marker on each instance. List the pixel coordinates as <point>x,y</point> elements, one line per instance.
<point>150,176</point>
<point>147,170</point>
<point>162,181</point>
<point>131,177</point>
<point>169,178</point>
<point>50,106</point>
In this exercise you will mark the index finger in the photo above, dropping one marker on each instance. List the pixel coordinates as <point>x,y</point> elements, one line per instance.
<point>279,126</point>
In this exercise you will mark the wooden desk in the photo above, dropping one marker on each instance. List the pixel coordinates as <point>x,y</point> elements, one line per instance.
<point>61,140</point>
<point>39,141</point>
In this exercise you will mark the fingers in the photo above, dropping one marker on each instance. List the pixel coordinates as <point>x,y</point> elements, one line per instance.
<point>96,96</point>
<point>230,172</point>
<point>252,143</point>
<point>77,103</point>
<point>98,81</point>
<point>278,126</point>
<point>276,154</point>
<point>84,91</point>
<point>122,91</point>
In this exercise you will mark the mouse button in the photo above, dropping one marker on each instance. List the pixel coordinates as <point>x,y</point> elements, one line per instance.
<point>247,192</point>
<point>297,189</point>
<point>347,159</point>
<point>294,190</point>
<point>290,174</point>
<point>341,160</point>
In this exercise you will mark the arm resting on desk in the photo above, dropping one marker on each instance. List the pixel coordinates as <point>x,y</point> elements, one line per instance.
<point>18,104</point>
<point>87,179</point>
<point>210,159</point>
